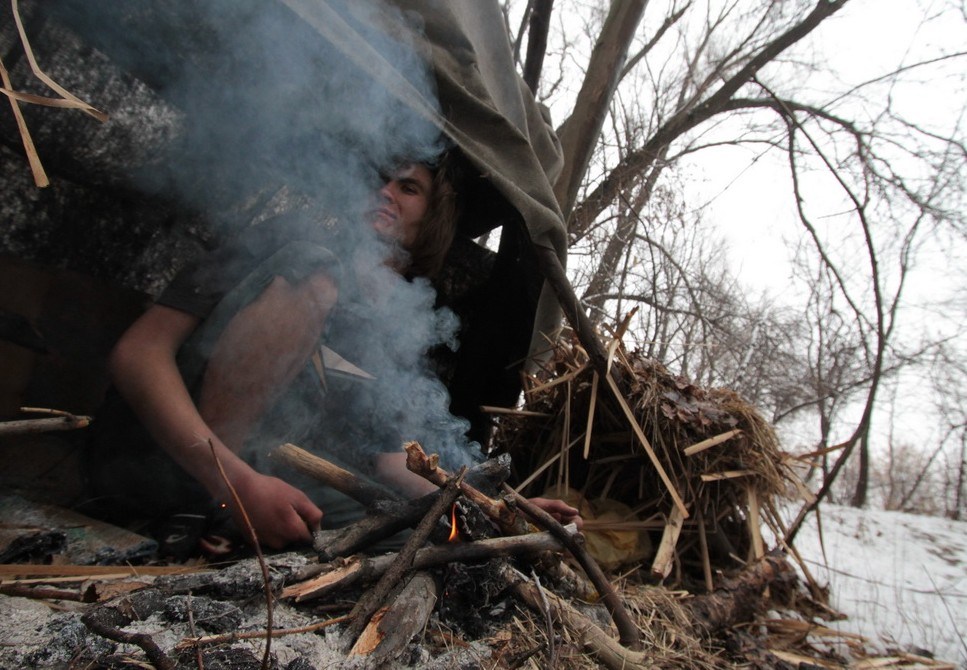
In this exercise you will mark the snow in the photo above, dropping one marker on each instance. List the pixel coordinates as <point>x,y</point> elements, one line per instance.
<point>900,578</point>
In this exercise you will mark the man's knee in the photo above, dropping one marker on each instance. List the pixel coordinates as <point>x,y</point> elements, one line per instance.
<point>319,291</point>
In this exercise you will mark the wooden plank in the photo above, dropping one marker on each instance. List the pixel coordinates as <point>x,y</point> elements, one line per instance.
<point>71,572</point>
<point>665,556</point>
<point>711,442</point>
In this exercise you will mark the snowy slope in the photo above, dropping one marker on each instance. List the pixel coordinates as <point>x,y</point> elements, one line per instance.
<point>900,578</point>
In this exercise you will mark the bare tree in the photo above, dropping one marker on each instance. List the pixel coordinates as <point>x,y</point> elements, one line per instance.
<point>659,82</point>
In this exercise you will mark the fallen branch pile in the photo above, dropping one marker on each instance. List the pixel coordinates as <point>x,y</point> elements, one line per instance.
<point>664,471</point>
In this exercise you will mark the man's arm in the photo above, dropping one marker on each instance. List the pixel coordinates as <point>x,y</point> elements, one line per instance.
<point>143,368</point>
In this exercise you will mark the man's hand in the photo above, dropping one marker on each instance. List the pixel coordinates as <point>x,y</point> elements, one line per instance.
<point>280,513</point>
<point>560,510</point>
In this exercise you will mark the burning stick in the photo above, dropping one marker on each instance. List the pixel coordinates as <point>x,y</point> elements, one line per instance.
<point>428,467</point>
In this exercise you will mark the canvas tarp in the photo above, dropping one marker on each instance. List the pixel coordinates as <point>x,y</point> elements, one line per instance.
<point>484,107</point>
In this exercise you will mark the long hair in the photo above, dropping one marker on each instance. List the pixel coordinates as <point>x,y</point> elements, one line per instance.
<point>439,226</point>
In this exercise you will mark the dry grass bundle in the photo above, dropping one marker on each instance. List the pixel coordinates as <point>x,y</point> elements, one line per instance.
<point>692,470</point>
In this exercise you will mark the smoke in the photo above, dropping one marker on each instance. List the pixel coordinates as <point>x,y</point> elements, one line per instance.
<point>269,105</point>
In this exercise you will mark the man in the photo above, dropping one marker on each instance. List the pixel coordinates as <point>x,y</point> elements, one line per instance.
<point>204,365</point>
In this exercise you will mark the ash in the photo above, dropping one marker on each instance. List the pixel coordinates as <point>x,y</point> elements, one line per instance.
<point>171,609</point>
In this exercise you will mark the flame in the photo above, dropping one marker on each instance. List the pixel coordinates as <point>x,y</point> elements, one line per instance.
<point>454,532</point>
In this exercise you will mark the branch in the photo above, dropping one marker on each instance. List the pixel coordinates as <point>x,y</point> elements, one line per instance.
<point>669,21</point>
<point>627,630</point>
<point>579,133</point>
<point>690,117</point>
<point>540,24</point>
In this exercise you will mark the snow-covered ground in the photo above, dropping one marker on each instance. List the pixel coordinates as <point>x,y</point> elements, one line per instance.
<point>900,578</point>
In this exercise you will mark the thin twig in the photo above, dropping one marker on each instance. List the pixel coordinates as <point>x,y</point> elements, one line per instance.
<point>199,661</point>
<point>551,650</point>
<point>258,553</point>
<point>953,621</point>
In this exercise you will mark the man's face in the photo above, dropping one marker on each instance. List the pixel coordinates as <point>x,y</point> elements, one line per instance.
<point>402,204</point>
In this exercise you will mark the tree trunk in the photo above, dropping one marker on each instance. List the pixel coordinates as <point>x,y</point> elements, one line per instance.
<point>540,24</point>
<point>863,474</point>
<point>579,133</point>
<point>961,473</point>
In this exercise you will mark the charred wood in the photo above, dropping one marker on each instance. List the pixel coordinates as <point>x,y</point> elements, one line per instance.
<point>360,569</point>
<point>374,598</point>
<point>107,620</point>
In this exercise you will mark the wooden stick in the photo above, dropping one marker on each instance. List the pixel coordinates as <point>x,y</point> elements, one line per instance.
<point>82,572</point>
<point>45,593</point>
<point>362,568</point>
<point>665,556</point>
<point>514,411</point>
<point>553,271</point>
<point>26,426</point>
<point>594,400</point>
<point>755,525</point>
<point>703,546</point>
<point>627,630</point>
<point>428,467</point>
<point>711,442</point>
<point>228,638</point>
<point>254,539</point>
<point>328,473</point>
<point>728,474</point>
